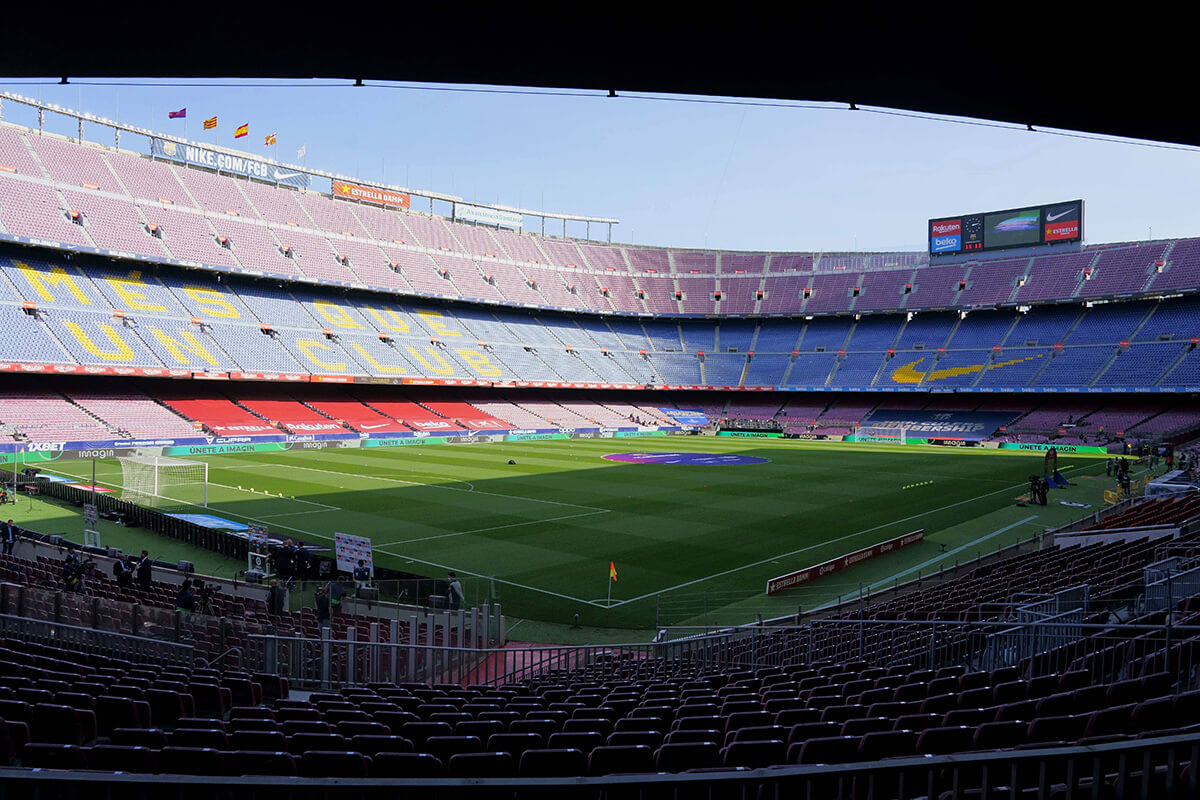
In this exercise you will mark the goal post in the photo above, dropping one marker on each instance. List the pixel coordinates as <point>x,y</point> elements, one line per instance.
<point>164,481</point>
<point>875,433</point>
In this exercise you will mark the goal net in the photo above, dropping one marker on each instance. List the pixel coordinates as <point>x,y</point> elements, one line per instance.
<point>869,433</point>
<point>160,481</point>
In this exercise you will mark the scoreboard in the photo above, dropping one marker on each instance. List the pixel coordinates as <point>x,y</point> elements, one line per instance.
<point>1056,223</point>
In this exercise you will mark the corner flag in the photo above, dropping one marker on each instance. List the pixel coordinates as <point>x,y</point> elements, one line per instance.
<point>612,570</point>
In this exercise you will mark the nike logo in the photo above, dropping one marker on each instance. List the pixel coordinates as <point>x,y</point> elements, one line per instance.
<point>280,176</point>
<point>373,427</point>
<point>908,373</point>
<point>1051,217</point>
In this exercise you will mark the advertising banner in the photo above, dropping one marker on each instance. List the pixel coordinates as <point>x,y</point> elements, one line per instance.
<point>350,549</point>
<point>1062,448</point>
<point>370,194</point>
<point>965,425</point>
<point>803,576</point>
<point>227,162</point>
<point>487,216</point>
<point>686,416</point>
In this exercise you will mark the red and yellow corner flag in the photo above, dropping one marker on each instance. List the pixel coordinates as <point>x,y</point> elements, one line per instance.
<point>210,123</point>
<point>269,139</point>
<point>612,570</point>
<point>241,131</point>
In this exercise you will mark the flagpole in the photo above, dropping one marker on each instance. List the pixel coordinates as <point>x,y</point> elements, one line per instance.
<point>610,583</point>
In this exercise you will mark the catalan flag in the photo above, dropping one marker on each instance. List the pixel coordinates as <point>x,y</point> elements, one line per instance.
<point>210,123</point>
<point>269,139</point>
<point>241,131</point>
<point>612,570</point>
<point>180,114</point>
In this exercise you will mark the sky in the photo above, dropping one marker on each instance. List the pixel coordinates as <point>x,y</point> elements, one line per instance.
<point>684,174</point>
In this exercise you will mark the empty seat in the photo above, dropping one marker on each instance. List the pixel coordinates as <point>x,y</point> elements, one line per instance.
<point>682,757</point>
<point>333,764</point>
<point>54,756</point>
<point>260,762</point>
<point>406,765</point>
<point>754,754</point>
<point>553,763</point>
<point>481,765</point>
<point>122,758</point>
<point>620,759</point>
<point>196,737</point>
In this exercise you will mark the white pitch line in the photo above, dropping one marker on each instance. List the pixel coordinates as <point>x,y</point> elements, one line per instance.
<point>431,485</point>
<point>295,513</point>
<point>815,546</point>
<point>499,527</point>
<point>324,506</point>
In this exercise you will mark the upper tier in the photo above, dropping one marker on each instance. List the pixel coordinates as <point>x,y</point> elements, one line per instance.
<point>86,314</point>
<point>86,197</point>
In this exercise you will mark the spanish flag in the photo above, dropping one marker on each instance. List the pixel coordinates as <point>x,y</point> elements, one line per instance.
<point>612,570</point>
<point>269,139</point>
<point>210,123</point>
<point>242,131</point>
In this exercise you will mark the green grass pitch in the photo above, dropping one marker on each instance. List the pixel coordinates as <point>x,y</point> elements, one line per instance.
<point>691,544</point>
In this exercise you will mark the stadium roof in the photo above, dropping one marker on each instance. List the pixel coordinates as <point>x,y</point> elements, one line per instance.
<point>1037,66</point>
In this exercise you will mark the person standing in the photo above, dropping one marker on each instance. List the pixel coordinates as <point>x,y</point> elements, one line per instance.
<point>1108,467</point>
<point>362,575</point>
<point>323,618</point>
<point>275,596</point>
<point>123,573</point>
<point>285,562</point>
<point>144,567</point>
<point>8,533</point>
<point>455,591</point>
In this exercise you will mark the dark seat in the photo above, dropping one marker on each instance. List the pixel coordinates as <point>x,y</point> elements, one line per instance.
<point>406,765</point>
<point>553,763</point>
<point>481,765</point>
<point>334,764</point>
<point>191,761</point>
<point>443,747</point>
<point>121,712</point>
<point>122,758</point>
<point>324,742</point>
<point>371,744</point>
<point>54,756</point>
<point>584,741</point>
<point>197,737</point>
<point>418,732</point>
<point>830,750</point>
<point>620,759</point>
<point>260,762</point>
<point>754,754</point>
<point>57,724</point>
<point>267,741</point>
<point>685,756</point>
<point>514,743</point>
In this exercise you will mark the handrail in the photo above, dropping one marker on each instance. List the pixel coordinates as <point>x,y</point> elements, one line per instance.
<point>221,657</point>
<point>1125,756</point>
<point>72,637</point>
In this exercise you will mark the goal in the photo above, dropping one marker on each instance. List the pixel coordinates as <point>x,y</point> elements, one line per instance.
<point>162,481</point>
<point>870,433</point>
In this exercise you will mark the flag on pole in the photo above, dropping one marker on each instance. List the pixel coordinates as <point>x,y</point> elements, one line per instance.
<point>210,123</point>
<point>269,139</point>
<point>180,114</point>
<point>241,131</point>
<point>303,149</point>
<point>612,570</point>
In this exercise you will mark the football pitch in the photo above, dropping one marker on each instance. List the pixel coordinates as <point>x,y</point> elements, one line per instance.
<point>692,543</point>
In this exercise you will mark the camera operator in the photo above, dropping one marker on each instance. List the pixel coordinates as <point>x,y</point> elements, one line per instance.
<point>204,593</point>
<point>73,571</point>
<point>185,601</point>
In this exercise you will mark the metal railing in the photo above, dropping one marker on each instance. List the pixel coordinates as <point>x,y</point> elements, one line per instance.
<point>1162,768</point>
<point>1163,592</point>
<point>329,662</point>
<point>90,640</point>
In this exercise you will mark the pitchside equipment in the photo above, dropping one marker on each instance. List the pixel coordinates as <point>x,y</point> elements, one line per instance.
<point>872,433</point>
<point>159,481</point>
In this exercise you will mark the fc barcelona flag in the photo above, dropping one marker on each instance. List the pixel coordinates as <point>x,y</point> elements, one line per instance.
<point>241,131</point>
<point>612,570</point>
<point>180,114</point>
